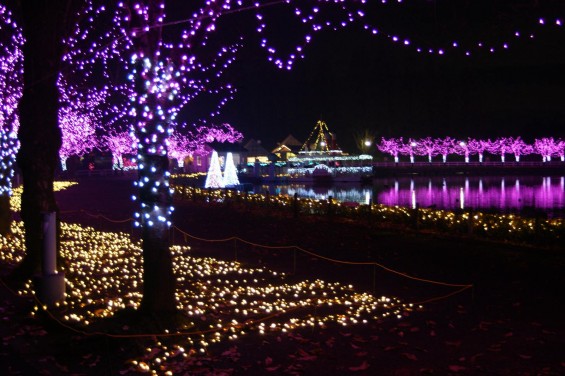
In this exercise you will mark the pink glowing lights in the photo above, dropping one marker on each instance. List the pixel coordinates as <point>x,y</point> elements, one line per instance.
<point>546,147</point>
<point>119,144</point>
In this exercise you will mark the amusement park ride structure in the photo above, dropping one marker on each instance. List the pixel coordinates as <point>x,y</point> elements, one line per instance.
<point>320,160</point>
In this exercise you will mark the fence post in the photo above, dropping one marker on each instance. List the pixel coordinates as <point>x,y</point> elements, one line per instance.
<point>470,223</point>
<point>370,212</point>
<point>330,207</point>
<point>294,262</point>
<point>416,213</point>
<point>235,248</point>
<point>374,279</point>
<point>295,205</point>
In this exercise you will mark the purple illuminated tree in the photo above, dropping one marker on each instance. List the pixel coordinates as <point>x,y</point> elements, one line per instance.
<point>501,146</point>
<point>197,137</point>
<point>546,147</point>
<point>427,146</point>
<point>445,146</point>
<point>179,148</point>
<point>465,148</point>
<point>391,146</point>
<point>201,135</point>
<point>518,147</point>
<point>561,150</point>
<point>409,149</point>
<point>220,133</point>
<point>119,144</point>
<point>11,84</point>
<point>91,116</point>
<point>478,147</point>
<point>77,122</point>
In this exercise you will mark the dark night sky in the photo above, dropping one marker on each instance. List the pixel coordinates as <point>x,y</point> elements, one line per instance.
<point>355,81</point>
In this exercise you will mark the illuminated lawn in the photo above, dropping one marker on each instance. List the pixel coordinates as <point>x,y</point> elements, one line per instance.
<point>224,300</point>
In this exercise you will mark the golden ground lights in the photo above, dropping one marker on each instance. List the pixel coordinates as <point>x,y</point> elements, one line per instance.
<point>16,198</point>
<point>224,300</point>
<point>507,227</point>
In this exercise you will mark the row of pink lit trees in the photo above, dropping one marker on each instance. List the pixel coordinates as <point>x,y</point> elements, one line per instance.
<point>80,137</point>
<point>546,147</point>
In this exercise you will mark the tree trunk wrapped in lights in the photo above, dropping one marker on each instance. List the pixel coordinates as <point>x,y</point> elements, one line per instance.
<point>11,60</point>
<point>154,87</point>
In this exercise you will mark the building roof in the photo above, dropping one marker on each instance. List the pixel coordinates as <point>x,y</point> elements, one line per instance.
<point>291,141</point>
<point>255,148</point>
<point>289,144</point>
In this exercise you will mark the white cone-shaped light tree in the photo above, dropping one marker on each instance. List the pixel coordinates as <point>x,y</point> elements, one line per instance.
<point>230,172</point>
<point>214,177</point>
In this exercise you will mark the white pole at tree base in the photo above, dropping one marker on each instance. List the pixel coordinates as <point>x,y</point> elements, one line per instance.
<point>50,285</point>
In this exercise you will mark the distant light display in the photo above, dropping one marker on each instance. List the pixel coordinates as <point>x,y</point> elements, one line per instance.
<point>546,147</point>
<point>334,171</point>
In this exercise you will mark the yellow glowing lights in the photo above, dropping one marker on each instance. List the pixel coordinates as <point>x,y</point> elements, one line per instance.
<point>224,299</point>
<point>16,198</point>
<point>494,226</point>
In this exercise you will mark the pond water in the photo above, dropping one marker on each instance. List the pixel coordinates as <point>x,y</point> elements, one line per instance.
<point>516,194</point>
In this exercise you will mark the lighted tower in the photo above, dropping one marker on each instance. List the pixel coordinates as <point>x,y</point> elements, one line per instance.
<point>320,139</point>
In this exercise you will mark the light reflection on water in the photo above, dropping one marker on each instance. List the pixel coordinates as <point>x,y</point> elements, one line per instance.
<point>499,194</point>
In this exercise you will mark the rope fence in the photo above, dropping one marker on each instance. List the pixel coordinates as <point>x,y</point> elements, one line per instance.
<point>459,287</point>
<point>497,227</point>
<point>295,249</point>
